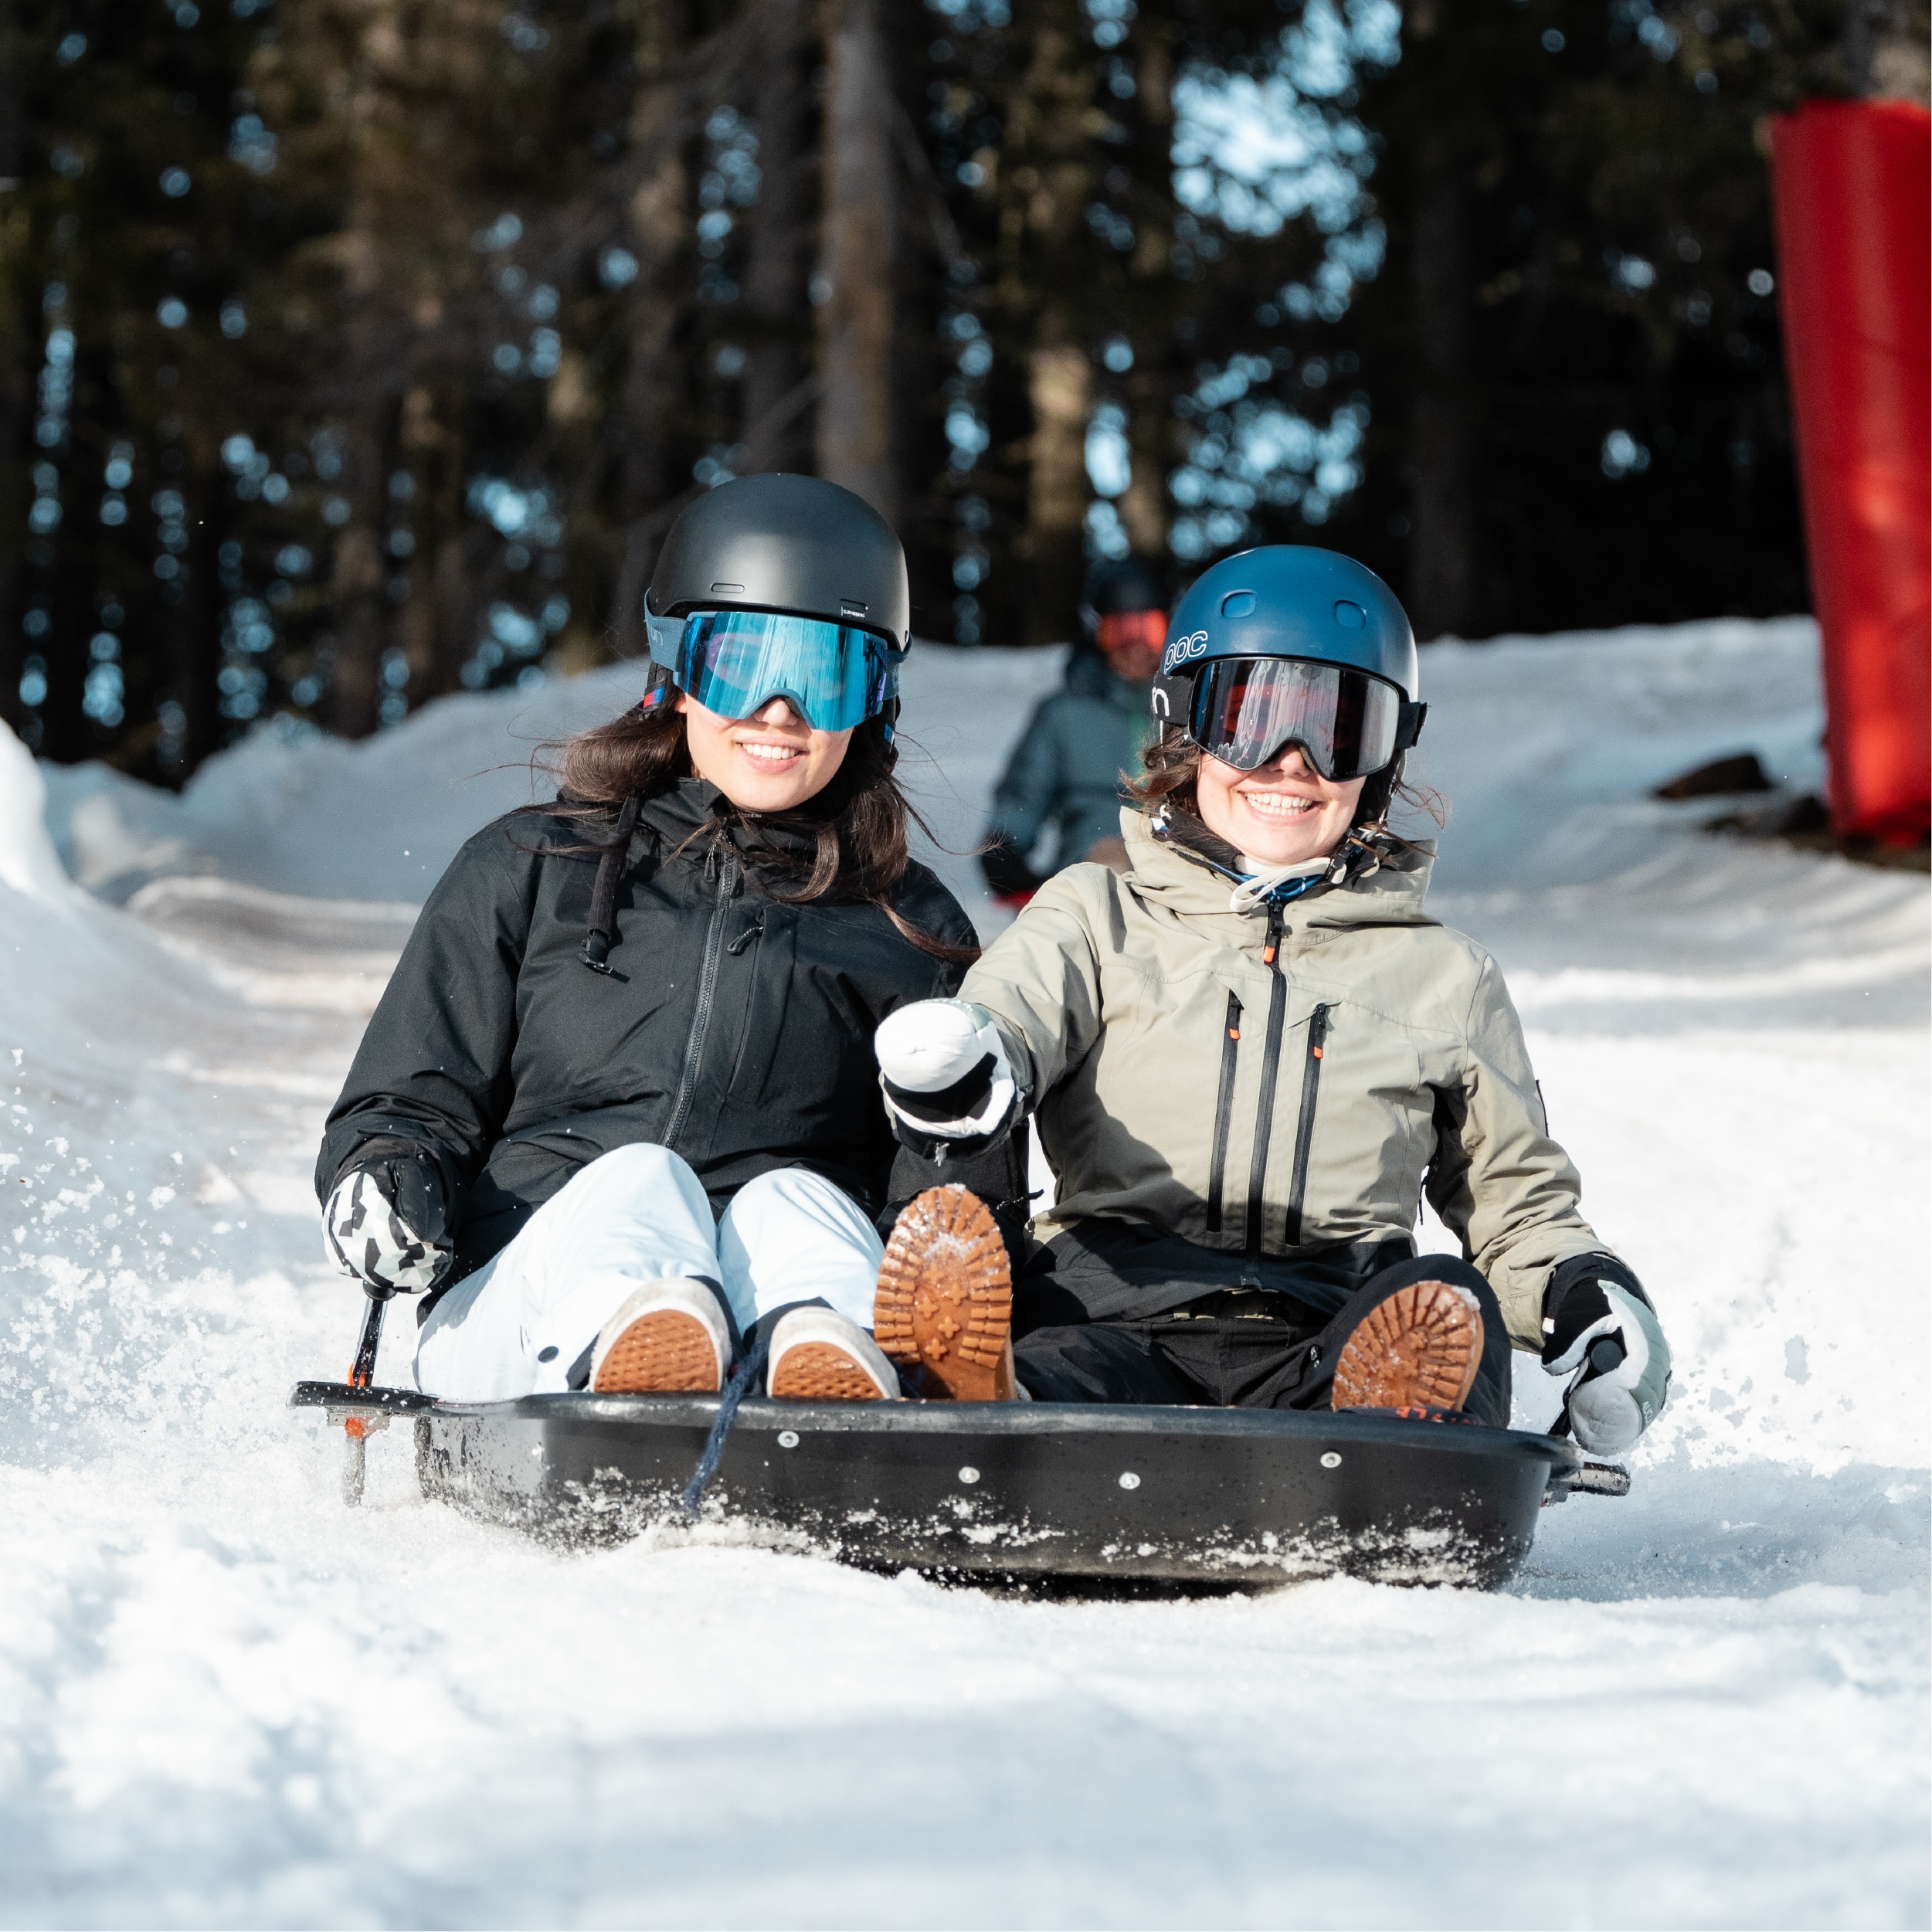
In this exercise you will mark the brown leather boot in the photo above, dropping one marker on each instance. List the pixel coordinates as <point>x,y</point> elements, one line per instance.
<point>944,1304</point>
<point>1418,1349</point>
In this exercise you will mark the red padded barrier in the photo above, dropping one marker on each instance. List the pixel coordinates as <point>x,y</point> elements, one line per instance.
<point>1852,189</point>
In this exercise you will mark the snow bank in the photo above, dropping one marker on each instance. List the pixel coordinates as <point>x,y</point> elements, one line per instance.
<point>223,1699</point>
<point>380,819</point>
<point>133,1221</point>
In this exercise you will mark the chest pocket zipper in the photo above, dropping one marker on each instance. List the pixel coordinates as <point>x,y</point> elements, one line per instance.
<point>1224,1112</point>
<point>706,993</point>
<point>1305,1126</point>
<point>1270,1066</point>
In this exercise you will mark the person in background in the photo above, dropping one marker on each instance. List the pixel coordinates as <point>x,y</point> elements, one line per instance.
<point>1066,771</point>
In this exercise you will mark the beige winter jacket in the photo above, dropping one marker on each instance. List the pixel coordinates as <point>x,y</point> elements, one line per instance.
<point>1181,1081</point>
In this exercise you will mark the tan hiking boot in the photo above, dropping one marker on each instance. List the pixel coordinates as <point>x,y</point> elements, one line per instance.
<point>1418,1349</point>
<point>944,1299</point>
<point>669,1337</point>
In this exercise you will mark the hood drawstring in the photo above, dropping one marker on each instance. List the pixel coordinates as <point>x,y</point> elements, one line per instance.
<point>602,934</point>
<point>1364,852</point>
<point>1278,885</point>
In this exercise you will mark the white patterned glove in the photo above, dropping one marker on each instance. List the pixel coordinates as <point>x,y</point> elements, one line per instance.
<point>385,1223</point>
<point>945,1077</point>
<point>1603,1331</point>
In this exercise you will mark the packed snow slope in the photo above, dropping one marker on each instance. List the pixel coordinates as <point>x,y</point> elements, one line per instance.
<point>225,1699</point>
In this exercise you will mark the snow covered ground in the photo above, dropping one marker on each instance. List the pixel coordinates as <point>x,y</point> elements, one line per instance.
<point>224,1700</point>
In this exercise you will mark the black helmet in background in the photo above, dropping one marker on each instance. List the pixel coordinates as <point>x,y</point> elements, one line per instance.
<point>1124,613</point>
<point>784,543</point>
<point>1117,586</point>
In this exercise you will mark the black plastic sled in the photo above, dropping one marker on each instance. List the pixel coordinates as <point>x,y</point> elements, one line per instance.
<point>1005,1491</point>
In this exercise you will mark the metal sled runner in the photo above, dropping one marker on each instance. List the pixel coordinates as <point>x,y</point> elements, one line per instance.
<point>1008,1490</point>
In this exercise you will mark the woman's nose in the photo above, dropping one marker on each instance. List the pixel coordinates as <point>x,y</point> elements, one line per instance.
<point>775,712</point>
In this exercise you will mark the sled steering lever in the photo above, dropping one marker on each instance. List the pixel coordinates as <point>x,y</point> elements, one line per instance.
<point>359,1425</point>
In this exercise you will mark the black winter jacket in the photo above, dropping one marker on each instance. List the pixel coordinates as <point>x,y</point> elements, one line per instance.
<point>732,1029</point>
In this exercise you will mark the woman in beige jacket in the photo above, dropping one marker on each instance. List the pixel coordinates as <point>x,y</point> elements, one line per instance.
<point>1249,1057</point>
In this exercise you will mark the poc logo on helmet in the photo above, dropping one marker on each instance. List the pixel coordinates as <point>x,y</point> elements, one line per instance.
<point>1184,650</point>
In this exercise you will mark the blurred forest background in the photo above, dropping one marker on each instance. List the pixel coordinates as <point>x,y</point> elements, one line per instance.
<point>356,352</point>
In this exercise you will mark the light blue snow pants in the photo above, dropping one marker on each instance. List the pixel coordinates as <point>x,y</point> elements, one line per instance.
<point>638,1214</point>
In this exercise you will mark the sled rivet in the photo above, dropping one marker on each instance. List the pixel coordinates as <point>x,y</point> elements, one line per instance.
<point>1331,1460</point>
<point>968,1474</point>
<point>1128,1480</point>
<point>788,1438</point>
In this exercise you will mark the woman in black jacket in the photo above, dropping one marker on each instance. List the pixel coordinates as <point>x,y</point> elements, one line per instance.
<point>618,1105</point>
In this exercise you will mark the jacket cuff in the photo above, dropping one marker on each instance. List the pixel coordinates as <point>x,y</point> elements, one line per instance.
<point>379,1148</point>
<point>1591,1267</point>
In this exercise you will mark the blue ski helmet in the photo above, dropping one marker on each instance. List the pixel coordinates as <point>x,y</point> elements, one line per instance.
<point>1289,643</point>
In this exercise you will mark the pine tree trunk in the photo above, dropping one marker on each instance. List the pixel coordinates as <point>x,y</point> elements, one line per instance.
<point>1442,563</point>
<point>646,488</point>
<point>1158,375</point>
<point>193,631</point>
<point>776,434</point>
<point>357,579</point>
<point>1060,388</point>
<point>854,426</point>
<point>14,382</point>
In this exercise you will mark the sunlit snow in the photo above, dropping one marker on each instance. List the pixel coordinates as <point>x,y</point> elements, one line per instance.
<point>225,1699</point>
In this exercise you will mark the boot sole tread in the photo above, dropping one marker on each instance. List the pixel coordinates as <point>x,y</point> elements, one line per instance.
<point>945,1298</point>
<point>663,1352</point>
<point>821,1372</point>
<point>1419,1349</point>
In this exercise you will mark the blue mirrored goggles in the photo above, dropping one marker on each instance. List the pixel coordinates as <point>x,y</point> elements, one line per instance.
<point>735,662</point>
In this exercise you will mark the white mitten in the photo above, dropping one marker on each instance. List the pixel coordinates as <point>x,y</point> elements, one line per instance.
<point>945,1076</point>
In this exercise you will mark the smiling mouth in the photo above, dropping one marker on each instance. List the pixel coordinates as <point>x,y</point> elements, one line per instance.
<point>1279,805</point>
<point>772,756</point>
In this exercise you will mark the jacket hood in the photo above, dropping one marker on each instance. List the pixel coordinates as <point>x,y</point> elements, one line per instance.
<point>1168,877</point>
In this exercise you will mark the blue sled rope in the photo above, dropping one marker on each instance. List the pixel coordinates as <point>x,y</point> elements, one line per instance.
<point>747,1373</point>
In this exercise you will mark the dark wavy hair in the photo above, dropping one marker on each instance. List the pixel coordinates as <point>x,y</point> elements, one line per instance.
<point>1171,765</point>
<point>857,823</point>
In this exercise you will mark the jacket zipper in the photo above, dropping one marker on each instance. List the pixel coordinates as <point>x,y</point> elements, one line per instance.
<point>1271,1062</point>
<point>1224,1110</point>
<point>1304,1127</point>
<point>706,990</point>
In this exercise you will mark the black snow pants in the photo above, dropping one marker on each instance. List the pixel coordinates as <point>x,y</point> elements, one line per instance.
<point>1253,1349</point>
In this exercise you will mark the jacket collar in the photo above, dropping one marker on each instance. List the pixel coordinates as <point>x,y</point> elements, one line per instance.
<point>695,814</point>
<point>1192,874</point>
<point>1088,677</point>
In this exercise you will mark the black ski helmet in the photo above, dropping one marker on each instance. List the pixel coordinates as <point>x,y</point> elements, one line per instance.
<point>794,544</point>
<point>1120,584</point>
<point>1294,601</point>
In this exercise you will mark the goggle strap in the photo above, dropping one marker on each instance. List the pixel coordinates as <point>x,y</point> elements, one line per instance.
<point>1172,702</point>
